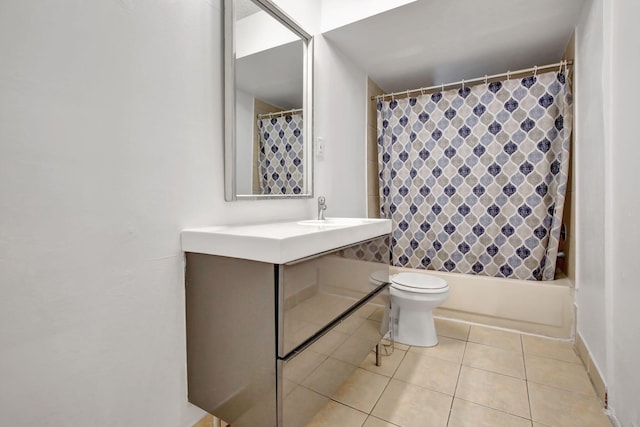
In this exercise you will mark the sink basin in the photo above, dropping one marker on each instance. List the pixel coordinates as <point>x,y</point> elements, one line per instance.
<point>282,242</point>
<point>334,222</point>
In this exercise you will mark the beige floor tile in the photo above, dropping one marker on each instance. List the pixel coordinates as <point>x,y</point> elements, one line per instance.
<point>336,414</point>
<point>553,349</point>
<point>468,414</point>
<point>447,349</point>
<point>494,359</point>
<point>555,407</point>
<point>497,391</point>
<point>495,337</point>
<point>429,372</point>
<point>451,329</point>
<point>377,422</point>
<point>556,373</point>
<point>329,376</point>
<point>400,346</point>
<point>389,363</point>
<point>362,390</point>
<point>299,404</point>
<point>408,405</point>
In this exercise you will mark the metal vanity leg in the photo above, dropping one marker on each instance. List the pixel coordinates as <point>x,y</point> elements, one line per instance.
<point>378,355</point>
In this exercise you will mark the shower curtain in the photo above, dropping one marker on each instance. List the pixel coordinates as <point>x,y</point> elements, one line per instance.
<point>281,154</point>
<point>474,179</point>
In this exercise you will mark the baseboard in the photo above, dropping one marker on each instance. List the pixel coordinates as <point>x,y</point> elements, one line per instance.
<point>592,370</point>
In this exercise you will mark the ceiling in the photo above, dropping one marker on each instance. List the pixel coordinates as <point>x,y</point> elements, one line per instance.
<point>431,42</point>
<point>274,75</point>
<point>245,8</point>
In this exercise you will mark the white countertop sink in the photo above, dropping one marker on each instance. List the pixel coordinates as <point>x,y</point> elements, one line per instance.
<point>336,222</point>
<point>282,242</point>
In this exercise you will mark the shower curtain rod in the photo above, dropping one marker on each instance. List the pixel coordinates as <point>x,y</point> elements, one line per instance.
<point>279,113</point>
<point>508,74</point>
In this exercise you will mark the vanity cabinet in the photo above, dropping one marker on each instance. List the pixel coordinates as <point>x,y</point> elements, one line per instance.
<point>269,343</point>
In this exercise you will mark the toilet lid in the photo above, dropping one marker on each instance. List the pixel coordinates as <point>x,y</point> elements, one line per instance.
<point>417,282</point>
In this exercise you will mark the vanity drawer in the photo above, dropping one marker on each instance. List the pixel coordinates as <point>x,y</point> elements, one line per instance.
<point>314,292</point>
<point>310,375</point>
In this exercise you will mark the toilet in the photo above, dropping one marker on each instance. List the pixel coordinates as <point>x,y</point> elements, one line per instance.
<point>413,297</point>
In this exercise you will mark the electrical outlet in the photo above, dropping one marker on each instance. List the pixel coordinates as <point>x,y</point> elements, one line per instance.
<point>319,146</point>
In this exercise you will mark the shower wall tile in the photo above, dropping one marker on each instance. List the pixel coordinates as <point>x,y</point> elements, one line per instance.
<point>373,185</point>
<point>372,144</point>
<point>373,182</point>
<point>373,207</point>
<point>372,90</point>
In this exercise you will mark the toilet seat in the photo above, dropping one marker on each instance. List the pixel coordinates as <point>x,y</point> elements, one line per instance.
<point>419,283</point>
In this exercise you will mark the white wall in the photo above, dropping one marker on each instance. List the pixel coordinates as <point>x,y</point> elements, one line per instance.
<point>608,199</point>
<point>244,142</point>
<point>340,118</point>
<point>111,137</point>
<point>624,374</point>
<point>589,151</point>
<point>260,31</point>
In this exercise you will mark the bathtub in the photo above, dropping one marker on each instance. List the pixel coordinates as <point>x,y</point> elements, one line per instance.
<point>542,308</point>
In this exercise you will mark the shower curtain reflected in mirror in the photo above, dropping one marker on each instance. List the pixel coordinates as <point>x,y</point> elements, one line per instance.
<point>474,179</point>
<point>280,156</point>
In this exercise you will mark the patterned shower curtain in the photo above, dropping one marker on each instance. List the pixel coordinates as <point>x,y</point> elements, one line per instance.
<point>281,154</point>
<point>474,179</point>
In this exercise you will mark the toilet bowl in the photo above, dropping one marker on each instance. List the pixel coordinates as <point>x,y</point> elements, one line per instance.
<point>413,297</point>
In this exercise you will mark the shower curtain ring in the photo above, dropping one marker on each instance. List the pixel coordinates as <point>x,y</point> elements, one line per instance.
<point>535,70</point>
<point>407,93</point>
<point>485,79</point>
<point>560,68</point>
<point>462,84</point>
<point>442,88</point>
<point>509,75</point>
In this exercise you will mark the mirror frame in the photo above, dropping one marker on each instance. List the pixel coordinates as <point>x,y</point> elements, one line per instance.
<point>230,193</point>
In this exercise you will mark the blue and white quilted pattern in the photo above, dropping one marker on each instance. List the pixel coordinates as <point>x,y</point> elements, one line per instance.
<point>281,155</point>
<point>474,179</point>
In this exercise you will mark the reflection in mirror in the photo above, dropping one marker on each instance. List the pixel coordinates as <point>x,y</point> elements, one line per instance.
<point>267,103</point>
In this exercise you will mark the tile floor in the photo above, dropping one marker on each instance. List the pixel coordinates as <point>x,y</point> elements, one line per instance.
<point>476,376</point>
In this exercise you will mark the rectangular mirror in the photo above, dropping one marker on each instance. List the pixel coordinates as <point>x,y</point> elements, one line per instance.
<point>268,103</point>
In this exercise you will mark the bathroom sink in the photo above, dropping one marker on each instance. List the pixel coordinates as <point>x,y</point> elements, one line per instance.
<point>282,242</point>
<point>335,222</point>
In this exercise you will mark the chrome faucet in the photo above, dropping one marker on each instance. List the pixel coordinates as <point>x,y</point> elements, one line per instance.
<point>322,206</point>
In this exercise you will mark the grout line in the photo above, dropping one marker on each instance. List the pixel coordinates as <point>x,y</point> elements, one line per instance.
<point>497,410</point>
<point>388,382</point>
<point>526,380</point>
<point>455,389</point>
